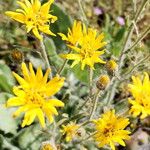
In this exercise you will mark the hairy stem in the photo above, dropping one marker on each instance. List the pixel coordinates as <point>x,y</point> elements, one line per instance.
<point>144,34</point>
<point>45,56</point>
<point>63,65</point>
<point>90,81</point>
<point>85,20</point>
<point>94,104</point>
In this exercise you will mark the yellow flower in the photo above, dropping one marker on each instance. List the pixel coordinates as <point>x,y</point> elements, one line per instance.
<point>47,146</point>
<point>110,130</point>
<point>70,131</point>
<point>33,95</point>
<point>35,16</point>
<point>141,93</point>
<point>74,35</point>
<point>86,45</point>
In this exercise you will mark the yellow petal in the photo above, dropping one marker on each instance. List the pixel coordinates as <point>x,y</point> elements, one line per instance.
<point>56,102</point>
<point>41,118</point>
<point>16,16</point>
<point>39,74</point>
<point>54,85</point>
<point>20,80</point>
<point>36,33</point>
<point>15,101</point>
<point>25,71</point>
<point>63,36</point>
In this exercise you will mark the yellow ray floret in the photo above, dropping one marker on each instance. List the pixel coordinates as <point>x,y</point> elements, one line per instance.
<point>33,95</point>
<point>35,16</point>
<point>110,129</point>
<point>86,44</point>
<point>70,131</point>
<point>74,35</point>
<point>141,94</point>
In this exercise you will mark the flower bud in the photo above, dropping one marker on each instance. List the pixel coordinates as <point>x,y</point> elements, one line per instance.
<point>102,82</point>
<point>17,56</point>
<point>111,65</point>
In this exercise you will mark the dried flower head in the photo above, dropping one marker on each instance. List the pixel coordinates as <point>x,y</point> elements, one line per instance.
<point>141,94</point>
<point>34,16</point>
<point>102,82</point>
<point>86,47</point>
<point>110,129</point>
<point>33,95</point>
<point>70,131</point>
<point>17,56</point>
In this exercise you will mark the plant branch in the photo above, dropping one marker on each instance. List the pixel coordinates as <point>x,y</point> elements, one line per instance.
<point>85,20</point>
<point>90,81</point>
<point>94,105</point>
<point>63,65</point>
<point>144,34</point>
<point>45,56</point>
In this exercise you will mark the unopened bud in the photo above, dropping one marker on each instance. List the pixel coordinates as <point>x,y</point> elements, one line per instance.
<point>102,82</point>
<point>111,65</point>
<point>17,56</point>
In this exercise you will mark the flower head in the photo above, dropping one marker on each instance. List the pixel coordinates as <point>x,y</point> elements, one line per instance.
<point>86,48</point>
<point>141,93</point>
<point>110,130</point>
<point>33,95</point>
<point>74,35</point>
<point>35,16</point>
<point>70,131</point>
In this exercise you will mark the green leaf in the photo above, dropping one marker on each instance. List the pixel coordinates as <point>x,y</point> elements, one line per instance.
<point>7,123</point>
<point>119,36</point>
<point>82,75</point>
<point>6,78</point>
<point>51,50</point>
<point>61,25</point>
<point>64,21</point>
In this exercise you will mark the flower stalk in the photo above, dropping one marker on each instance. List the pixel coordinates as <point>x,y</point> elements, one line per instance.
<point>85,20</point>
<point>45,56</point>
<point>94,104</point>
<point>63,65</point>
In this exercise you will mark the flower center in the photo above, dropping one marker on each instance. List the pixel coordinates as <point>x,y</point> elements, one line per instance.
<point>34,97</point>
<point>86,53</point>
<point>109,130</point>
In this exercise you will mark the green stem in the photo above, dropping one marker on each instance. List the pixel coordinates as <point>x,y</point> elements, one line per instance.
<point>135,66</point>
<point>90,81</point>
<point>94,105</point>
<point>80,108</point>
<point>85,123</point>
<point>45,56</point>
<point>63,65</point>
<point>140,38</point>
<point>86,138</point>
<point>85,20</point>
